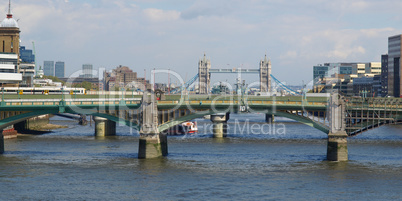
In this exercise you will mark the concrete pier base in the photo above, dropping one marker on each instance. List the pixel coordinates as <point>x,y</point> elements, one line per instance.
<point>104,127</point>
<point>337,148</point>
<point>219,127</point>
<point>1,143</point>
<point>269,118</point>
<point>152,146</point>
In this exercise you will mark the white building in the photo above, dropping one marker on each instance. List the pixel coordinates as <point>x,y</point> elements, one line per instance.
<point>9,69</point>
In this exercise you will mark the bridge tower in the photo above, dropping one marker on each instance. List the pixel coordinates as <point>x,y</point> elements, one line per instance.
<point>152,143</point>
<point>265,75</point>
<point>337,149</point>
<point>204,76</point>
<point>10,48</point>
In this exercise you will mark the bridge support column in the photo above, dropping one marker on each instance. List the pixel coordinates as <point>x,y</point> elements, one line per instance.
<point>269,118</point>
<point>1,143</point>
<point>152,146</point>
<point>219,127</point>
<point>104,127</point>
<point>337,148</point>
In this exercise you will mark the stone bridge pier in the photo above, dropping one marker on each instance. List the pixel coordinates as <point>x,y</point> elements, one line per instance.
<point>104,127</point>
<point>152,143</point>
<point>337,148</point>
<point>1,142</point>
<point>269,118</point>
<point>220,126</point>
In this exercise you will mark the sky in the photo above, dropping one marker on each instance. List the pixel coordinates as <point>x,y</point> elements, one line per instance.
<point>175,34</point>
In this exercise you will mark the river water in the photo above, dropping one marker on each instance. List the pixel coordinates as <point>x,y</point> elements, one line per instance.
<point>284,161</point>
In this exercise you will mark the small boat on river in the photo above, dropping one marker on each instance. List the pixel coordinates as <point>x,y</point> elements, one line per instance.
<point>184,128</point>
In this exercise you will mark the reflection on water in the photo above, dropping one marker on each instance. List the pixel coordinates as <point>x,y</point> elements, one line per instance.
<point>72,164</point>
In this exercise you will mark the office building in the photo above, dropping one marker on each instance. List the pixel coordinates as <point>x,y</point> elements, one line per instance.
<point>48,68</point>
<point>27,71</point>
<point>394,66</point>
<point>384,75</point>
<point>333,69</point>
<point>26,55</point>
<point>59,69</point>
<point>87,71</point>
<point>363,86</point>
<point>341,69</point>
<point>27,67</point>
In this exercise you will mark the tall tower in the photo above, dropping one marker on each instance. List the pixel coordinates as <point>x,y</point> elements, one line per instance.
<point>10,34</point>
<point>48,68</point>
<point>265,75</point>
<point>59,69</point>
<point>10,51</point>
<point>204,76</point>
<point>394,66</point>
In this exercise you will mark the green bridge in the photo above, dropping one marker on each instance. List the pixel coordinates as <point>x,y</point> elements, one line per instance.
<point>339,117</point>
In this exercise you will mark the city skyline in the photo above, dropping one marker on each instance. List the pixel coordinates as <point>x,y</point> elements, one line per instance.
<point>157,34</point>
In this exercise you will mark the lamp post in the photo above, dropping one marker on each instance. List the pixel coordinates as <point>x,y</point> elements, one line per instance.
<point>62,93</point>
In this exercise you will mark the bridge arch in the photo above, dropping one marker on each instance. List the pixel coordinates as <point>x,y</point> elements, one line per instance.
<point>24,116</point>
<point>301,119</point>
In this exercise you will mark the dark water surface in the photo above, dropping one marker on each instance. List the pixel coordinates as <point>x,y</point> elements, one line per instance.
<point>253,163</point>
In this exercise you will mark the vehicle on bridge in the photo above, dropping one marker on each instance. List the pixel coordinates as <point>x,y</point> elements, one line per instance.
<point>43,90</point>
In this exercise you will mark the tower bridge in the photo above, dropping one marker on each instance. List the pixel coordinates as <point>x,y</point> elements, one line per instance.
<point>205,71</point>
<point>338,117</point>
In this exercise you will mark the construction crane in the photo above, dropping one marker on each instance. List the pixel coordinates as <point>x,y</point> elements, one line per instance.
<point>33,47</point>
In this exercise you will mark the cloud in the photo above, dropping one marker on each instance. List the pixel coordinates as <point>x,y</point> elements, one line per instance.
<point>143,34</point>
<point>158,15</point>
<point>207,9</point>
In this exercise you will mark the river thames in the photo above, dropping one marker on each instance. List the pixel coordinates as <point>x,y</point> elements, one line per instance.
<point>255,162</point>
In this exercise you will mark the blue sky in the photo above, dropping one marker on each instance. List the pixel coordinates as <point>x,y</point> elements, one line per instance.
<point>147,34</point>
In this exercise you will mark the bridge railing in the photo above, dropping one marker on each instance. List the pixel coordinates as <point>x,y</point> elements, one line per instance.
<point>239,102</point>
<point>357,103</point>
<point>97,101</point>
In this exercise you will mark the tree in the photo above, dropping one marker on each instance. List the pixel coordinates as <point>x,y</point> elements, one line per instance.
<point>54,79</point>
<point>84,84</point>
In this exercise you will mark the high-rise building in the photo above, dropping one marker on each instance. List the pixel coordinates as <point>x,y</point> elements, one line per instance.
<point>59,69</point>
<point>394,66</point>
<point>320,71</point>
<point>48,68</point>
<point>332,69</point>
<point>9,51</point>
<point>26,55</point>
<point>27,66</point>
<point>384,75</point>
<point>87,70</point>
